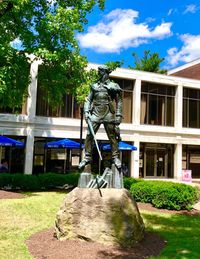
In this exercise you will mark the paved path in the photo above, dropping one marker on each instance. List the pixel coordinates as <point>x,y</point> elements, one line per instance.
<point>196,206</point>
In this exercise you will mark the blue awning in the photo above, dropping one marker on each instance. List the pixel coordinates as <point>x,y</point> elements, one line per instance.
<point>122,146</point>
<point>5,141</point>
<point>63,143</point>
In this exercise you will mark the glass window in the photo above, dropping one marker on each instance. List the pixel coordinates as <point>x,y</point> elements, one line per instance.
<point>15,110</point>
<point>127,88</point>
<point>157,104</point>
<point>143,114</point>
<point>170,111</point>
<point>156,160</point>
<point>127,107</point>
<point>68,109</point>
<point>191,108</point>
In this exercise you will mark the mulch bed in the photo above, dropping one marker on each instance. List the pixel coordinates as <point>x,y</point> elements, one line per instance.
<point>43,245</point>
<point>11,195</point>
<point>149,207</point>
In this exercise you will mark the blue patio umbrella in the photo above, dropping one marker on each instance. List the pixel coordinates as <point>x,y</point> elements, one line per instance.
<point>122,146</point>
<point>63,143</point>
<point>8,142</point>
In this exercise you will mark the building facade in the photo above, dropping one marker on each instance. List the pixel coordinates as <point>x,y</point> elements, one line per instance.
<point>161,118</point>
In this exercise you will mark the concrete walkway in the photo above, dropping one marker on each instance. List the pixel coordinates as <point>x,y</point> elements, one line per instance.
<point>196,206</point>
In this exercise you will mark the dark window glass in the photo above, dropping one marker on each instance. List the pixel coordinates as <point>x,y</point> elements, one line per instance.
<point>193,113</point>
<point>127,88</point>
<point>191,108</point>
<point>185,112</point>
<point>11,111</point>
<point>157,104</point>
<point>68,109</point>
<point>143,113</point>
<point>152,109</point>
<point>127,107</point>
<point>170,111</point>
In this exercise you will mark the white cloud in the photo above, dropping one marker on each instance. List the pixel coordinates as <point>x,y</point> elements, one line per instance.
<point>188,52</point>
<point>192,8</point>
<point>172,11</point>
<point>119,30</point>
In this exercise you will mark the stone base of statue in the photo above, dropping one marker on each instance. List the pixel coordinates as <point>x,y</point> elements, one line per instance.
<point>111,218</point>
<point>111,178</point>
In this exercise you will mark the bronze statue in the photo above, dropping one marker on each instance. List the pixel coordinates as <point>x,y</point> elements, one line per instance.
<point>99,109</point>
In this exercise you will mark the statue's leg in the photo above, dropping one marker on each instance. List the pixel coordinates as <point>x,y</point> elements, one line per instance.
<point>110,130</point>
<point>89,145</point>
<point>89,141</point>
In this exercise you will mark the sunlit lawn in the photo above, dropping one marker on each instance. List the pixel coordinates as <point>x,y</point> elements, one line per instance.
<point>20,218</point>
<point>181,232</point>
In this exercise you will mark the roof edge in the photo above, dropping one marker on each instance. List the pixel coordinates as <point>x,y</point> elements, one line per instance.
<point>182,67</point>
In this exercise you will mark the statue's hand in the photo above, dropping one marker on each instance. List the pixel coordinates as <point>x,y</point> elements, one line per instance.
<point>118,119</point>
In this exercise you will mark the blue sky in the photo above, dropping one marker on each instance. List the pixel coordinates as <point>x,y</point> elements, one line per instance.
<point>170,28</point>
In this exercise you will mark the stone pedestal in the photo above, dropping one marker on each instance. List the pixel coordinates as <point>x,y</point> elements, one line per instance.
<point>112,218</point>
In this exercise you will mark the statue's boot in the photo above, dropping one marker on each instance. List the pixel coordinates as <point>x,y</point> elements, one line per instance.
<point>117,163</point>
<point>83,163</point>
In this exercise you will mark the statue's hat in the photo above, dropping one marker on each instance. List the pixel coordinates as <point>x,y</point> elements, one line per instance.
<point>104,68</point>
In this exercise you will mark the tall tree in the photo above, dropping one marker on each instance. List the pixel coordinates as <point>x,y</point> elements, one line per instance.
<point>45,28</point>
<point>149,62</point>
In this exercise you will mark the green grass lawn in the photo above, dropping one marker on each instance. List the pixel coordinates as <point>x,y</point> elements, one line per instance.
<point>182,233</point>
<point>20,218</point>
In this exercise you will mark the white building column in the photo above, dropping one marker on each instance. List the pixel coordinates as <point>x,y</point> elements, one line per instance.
<point>178,107</point>
<point>29,152</point>
<point>31,112</point>
<point>136,102</point>
<point>178,162</point>
<point>32,89</point>
<point>135,157</point>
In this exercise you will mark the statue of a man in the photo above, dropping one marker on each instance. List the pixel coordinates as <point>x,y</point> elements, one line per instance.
<point>99,109</point>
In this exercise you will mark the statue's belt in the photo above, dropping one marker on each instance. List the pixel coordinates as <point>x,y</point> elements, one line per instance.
<point>102,103</point>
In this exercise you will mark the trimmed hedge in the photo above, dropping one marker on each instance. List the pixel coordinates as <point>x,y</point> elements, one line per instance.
<point>166,195</point>
<point>128,181</point>
<point>38,182</point>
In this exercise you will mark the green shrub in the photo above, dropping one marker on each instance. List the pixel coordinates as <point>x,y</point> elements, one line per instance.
<point>38,182</point>
<point>25,182</point>
<point>5,179</point>
<point>167,195</point>
<point>128,181</point>
<point>52,180</point>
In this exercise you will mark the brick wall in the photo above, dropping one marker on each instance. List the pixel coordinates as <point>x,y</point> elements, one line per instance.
<point>192,72</point>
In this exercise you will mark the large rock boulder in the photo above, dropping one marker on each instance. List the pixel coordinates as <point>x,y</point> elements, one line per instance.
<point>108,216</point>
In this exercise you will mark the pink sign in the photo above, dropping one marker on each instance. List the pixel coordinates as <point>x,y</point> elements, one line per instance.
<point>187,176</point>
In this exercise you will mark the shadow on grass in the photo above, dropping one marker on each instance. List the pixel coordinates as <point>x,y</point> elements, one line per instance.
<point>37,193</point>
<point>182,233</point>
<point>16,194</point>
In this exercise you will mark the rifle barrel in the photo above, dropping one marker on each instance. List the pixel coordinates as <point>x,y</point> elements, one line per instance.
<point>93,134</point>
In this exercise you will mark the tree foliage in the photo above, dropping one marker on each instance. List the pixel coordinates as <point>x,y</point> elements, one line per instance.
<point>47,29</point>
<point>149,62</point>
<point>114,64</point>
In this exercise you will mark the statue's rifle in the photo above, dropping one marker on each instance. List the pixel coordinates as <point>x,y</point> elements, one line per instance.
<point>93,134</point>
